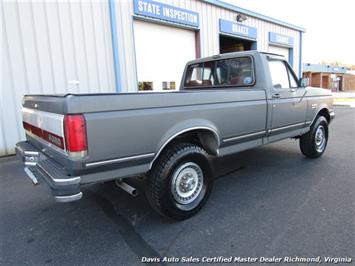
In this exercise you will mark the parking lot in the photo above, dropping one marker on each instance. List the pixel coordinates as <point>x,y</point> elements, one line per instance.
<point>270,201</point>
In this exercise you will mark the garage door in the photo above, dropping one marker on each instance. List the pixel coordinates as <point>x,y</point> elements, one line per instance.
<point>161,54</point>
<point>280,50</point>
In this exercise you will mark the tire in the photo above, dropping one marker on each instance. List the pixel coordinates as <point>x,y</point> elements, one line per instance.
<point>180,181</point>
<point>314,142</point>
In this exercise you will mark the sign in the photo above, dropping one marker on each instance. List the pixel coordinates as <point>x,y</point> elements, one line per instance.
<point>280,39</point>
<point>166,12</point>
<point>237,29</point>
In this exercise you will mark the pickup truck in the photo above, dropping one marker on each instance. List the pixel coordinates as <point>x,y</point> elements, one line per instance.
<point>226,104</point>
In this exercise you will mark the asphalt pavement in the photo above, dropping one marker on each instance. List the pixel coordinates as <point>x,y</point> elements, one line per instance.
<point>269,201</point>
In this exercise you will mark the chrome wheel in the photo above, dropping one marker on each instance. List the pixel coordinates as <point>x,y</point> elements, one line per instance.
<point>320,139</point>
<point>187,183</point>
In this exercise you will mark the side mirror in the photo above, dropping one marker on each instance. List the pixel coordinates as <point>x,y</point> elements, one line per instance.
<point>278,86</point>
<point>304,82</point>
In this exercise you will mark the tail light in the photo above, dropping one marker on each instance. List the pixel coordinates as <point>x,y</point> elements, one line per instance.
<point>75,135</point>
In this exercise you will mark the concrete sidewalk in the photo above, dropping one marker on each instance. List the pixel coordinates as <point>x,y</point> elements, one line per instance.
<point>344,99</point>
<point>343,95</point>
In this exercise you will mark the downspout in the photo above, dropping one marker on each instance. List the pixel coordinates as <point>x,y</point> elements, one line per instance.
<point>115,48</point>
<point>300,56</point>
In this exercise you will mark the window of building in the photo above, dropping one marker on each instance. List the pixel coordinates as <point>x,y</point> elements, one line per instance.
<point>169,85</point>
<point>229,72</point>
<point>145,86</point>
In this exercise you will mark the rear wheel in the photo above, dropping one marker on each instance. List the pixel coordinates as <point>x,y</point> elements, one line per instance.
<point>180,181</point>
<point>314,142</point>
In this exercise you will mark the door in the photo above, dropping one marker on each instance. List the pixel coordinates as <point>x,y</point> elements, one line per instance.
<point>288,104</point>
<point>241,117</point>
<point>229,44</point>
<point>161,54</point>
<point>280,50</point>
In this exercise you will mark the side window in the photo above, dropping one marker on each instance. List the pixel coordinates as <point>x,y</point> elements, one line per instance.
<point>279,74</point>
<point>236,72</point>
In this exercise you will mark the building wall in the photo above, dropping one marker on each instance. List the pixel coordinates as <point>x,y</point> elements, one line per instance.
<point>316,80</point>
<point>66,46</point>
<point>324,80</point>
<point>45,48</point>
<point>209,32</point>
<point>349,82</point>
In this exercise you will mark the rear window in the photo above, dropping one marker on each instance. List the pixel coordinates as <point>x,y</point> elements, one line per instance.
<point>236,72</point>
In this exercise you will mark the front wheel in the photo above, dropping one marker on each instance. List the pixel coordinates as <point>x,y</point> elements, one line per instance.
<point>314,142</point>
<point>180,181</point>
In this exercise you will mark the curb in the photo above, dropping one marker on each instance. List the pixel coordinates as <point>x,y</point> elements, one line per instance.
<point>344,104</point>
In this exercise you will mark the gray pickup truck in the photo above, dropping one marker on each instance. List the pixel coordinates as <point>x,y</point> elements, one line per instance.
<point>226,104</point>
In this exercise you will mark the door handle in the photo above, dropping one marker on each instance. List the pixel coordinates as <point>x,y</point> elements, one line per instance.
<point>276,95</point>
<point>293,90</point>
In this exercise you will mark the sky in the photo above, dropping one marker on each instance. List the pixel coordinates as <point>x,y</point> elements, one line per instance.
<point>330,25</point>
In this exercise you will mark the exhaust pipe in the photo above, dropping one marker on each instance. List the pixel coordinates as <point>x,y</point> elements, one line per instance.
<point>128,188</point>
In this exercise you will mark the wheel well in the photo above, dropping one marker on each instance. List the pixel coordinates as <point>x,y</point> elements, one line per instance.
<point>324,112</point>
<point>205,138</point>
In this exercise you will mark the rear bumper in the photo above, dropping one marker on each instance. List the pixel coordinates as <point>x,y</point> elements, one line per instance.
<point>41,169</point>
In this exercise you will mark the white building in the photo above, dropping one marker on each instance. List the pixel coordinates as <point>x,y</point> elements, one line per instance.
<point>120,46</point>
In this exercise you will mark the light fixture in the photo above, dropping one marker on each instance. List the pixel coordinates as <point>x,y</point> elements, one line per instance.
<point>241,17</point>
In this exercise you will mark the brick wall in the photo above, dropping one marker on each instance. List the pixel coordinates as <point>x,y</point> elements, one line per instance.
<point>316,80</point>
<point>349,82</point>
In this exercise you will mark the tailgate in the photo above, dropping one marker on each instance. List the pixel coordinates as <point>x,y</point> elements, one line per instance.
<point>45,127</point>
<point>47,103</point>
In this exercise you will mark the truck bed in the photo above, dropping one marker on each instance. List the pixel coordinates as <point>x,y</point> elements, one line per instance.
<point>106,102</point>
<point>115,121</point>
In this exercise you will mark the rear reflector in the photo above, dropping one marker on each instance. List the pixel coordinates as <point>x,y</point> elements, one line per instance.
<point>75,133</point>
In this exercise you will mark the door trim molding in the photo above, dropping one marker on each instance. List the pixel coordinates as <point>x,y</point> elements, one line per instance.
<point>286,127</point>
<point>244,136</point>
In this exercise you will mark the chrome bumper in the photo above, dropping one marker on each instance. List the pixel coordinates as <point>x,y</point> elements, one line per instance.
<point>40,169</point>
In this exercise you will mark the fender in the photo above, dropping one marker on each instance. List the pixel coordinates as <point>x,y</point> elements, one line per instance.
<point>184,127</point>
<point>321,107</point>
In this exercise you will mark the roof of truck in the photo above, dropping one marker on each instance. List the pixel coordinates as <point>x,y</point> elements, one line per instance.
<point>230,55</point>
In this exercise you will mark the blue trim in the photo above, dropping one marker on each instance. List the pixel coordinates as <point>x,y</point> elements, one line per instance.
<point>254,45</point>
<point>164,22</point>
<point>116,57</point>
<point>300,57</point>
<point>290,56</point>
<point>237,29</point>
<point>280,39</point>
<point>237,37</point>
<point>135,55</point>
<point>157,10</point>
<point>253,14</point>
<point>319,68</point>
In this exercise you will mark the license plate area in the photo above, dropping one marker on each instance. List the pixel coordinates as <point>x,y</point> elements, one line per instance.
<point>31,158</point>
<point>28,154</point>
